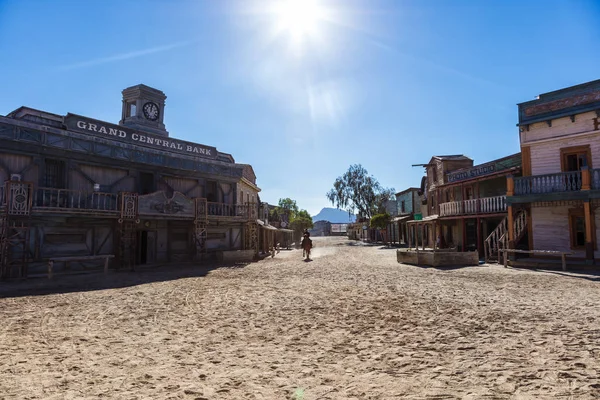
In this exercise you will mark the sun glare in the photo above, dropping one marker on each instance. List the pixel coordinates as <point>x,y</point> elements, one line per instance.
<point>299,18</point>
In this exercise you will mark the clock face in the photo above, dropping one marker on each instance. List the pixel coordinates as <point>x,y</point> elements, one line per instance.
<point>151,111</point>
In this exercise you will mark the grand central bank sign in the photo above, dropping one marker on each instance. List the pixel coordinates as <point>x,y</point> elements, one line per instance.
<point>119,133</point>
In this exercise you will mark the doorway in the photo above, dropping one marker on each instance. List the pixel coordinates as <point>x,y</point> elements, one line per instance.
<point>146,183</point>
<point>143,247</point>
<point>471,234</point>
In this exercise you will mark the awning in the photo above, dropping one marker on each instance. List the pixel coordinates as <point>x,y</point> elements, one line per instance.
<point>430,218</point>
<point>402,218</point>
<point>269,227</point>
<point>260,222</point>
<point>286,230</point>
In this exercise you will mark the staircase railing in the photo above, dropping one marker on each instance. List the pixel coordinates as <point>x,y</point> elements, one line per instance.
<point>492,242</point>
<point>498,239</point>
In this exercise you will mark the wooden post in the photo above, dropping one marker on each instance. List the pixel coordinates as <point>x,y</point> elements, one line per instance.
<point>589,237</point>
<point>106,265</point>
<point>464,234</point>
<point>505,258</point>
<point>510,185</point>
<point>50,267</point>
<point>478,235</point>
<point>435,235</point>
<point>563,257</point>
<point>510,228</point>
<point>585,178</point>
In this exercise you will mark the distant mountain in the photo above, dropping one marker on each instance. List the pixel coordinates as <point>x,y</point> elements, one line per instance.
<point>333,215</point>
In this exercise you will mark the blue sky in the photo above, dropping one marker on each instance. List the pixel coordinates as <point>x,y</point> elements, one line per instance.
<point>301,94</point>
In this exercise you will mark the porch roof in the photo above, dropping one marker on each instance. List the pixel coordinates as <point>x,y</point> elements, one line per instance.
<point>430,218</point>
<point>402,218</point>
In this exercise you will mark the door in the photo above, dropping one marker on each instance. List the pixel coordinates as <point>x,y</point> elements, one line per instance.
<point>471,234</point>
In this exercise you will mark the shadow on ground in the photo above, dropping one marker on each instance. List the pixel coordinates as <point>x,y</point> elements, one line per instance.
<point>115,279</point>
<point>573,272</point>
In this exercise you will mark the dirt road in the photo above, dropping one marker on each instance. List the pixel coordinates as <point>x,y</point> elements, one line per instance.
<point>351,324</point>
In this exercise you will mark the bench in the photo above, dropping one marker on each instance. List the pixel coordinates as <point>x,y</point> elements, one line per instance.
<point>562,254</point>
<point>66,260</point>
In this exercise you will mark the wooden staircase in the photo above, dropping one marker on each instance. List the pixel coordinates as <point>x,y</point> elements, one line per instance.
<point>498,239</point>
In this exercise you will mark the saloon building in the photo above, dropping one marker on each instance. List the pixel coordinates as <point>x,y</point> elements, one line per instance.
<point>75,190</point>
<point>466,204</point>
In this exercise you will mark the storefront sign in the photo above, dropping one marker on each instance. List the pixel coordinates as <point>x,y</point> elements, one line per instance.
<point>471,173</point>
<point>119,133</point>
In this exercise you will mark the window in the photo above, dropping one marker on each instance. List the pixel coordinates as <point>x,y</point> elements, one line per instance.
<point>468,193</point>
<point>577,229</point>
<point>403,206</point>
<point>54,176</point>
<point>574,158</point>
<point>131,109</point>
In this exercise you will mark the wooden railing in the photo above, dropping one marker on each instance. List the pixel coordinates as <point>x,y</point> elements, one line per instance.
<point>520,226</point>
<point>2,195</point>
<point>492,242</point>
<point>75,200</point>
<point>483,205</point>
<point>247,211</point>
<point>79,201</point>
<point>548,183</point>
<point>595,178</point>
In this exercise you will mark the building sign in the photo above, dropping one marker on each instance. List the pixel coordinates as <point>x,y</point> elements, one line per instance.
<point>563,103</point>
<point>471,172</point>
<point>338,228</point>
<point>119,133</point>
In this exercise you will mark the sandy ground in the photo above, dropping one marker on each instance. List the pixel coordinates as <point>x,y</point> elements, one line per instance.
<point>351,324</point>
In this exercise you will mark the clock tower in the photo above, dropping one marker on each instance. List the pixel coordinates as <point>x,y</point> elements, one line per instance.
<point>143,109</point>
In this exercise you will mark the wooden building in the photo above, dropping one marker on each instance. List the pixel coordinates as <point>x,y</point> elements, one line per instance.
<point>560,188</point>
<point>467,203</point>
<point>408,204</point>
<point>76,187</point>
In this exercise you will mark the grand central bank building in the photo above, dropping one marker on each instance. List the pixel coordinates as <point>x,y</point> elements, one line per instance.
<point>73,186</point>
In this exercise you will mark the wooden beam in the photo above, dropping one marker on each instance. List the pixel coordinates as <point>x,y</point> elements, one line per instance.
<point>589,234</point>
<point>510,228</point>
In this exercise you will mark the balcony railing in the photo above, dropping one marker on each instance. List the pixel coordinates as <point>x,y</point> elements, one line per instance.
<point>75,200</point>
<point>247,211</point>
<point>483,205</point>
<point>79,201</point>
<point>595,178</point>
<point>548,183</point>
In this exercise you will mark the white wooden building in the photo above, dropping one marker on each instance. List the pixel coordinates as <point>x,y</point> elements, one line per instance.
<point>559,192</point>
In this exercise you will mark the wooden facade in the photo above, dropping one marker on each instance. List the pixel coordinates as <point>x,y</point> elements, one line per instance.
<point>466,203</point>
<point>72,186</point>
<point>560,187</point>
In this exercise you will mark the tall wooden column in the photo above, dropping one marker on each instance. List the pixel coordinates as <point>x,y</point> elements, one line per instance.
<point>510,191</point>
<point>589,221</point>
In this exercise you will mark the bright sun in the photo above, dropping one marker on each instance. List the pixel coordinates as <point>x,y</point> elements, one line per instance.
<point>299,18</point>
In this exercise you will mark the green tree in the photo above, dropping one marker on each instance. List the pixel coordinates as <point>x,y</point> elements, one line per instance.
<point>286,207</point>
<point>357,191</point>
<point>381,221</point>
<point>301,221</point>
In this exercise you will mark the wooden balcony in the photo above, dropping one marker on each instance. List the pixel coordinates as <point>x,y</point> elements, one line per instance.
<point>549,183</point>
<point>243,211</point>
<point>75,201</point>
<point>66,201</point>
<point>485,205</point>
